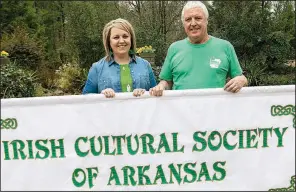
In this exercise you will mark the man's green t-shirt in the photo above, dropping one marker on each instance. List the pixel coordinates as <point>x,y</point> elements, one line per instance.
<point>196,66</point>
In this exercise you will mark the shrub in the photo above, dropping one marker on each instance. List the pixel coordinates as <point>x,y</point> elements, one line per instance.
<point>277,49</point>
<point>23,49</point>
<point>70,78</point>
<point>254,71</point>
<point>47,75</point>
<point>275,79</point>
<point>16,82</point>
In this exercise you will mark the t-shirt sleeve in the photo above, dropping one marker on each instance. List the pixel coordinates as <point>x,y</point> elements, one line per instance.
<point>166,70</point>
<point>235,68</point>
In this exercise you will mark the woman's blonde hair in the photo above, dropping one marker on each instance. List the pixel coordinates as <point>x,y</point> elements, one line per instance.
<point>120,24</point>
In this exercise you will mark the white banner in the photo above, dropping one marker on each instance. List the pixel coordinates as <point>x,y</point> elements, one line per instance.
<point>186,140</point>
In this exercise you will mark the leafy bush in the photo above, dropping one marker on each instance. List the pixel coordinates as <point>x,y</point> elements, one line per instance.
<point>254,71</point>
<point>16,82</point>
<point>70,78</point>
<point>274,79</point>
<point>42,92</point>
<point>277,49</point>
<point>47,75</point>
<point>23,49</point>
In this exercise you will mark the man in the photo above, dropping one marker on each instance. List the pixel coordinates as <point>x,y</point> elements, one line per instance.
<point>200,60</point>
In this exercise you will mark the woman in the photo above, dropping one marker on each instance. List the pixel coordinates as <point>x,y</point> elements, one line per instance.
<point>120,70</point>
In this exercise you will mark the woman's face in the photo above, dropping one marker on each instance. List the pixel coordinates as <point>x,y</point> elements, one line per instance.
<point>120,41</point>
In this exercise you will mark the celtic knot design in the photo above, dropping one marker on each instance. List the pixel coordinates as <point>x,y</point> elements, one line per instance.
<point>278,110</point>
<point>9,123</point>
<point>290,188</point>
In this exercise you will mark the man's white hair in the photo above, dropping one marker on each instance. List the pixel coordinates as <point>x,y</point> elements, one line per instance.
<point>192,4</point>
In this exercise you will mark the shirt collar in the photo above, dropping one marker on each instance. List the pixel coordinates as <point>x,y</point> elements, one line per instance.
<point>133,59</point>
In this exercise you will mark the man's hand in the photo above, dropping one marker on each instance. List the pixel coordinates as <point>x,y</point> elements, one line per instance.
<point>158,89</point>
<point>235,84</point>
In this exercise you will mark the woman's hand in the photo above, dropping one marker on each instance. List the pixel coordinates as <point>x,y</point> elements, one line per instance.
<point>138,92</point>
<point>109,93</point>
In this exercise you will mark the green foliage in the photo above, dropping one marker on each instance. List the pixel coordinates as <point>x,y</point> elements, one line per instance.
<point>284,17</point>
<point>258,74</point>
<point>52,31</point>
<point>16,13</point>
<point>275,79</point>
<point>16,82</point>
<point>24,50</point>
<point>276,49</point>
<point>254,72</point>
<point>71,78</point>
<point>39,91</point>
<point>84,28</point>
<point>46,74</point>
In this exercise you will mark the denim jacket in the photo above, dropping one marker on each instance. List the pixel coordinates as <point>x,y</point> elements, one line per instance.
<point>104,74</point>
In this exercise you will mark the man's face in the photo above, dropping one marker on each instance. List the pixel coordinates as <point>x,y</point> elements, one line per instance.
<point>195,24</point>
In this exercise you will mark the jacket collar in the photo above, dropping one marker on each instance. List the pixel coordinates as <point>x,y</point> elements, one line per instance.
<point>112,61</point>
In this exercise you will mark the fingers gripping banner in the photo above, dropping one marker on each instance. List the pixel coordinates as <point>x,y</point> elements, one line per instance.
<point>186,140</point>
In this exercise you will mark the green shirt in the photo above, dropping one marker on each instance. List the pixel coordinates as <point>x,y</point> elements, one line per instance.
<point>126,78</point>
<point>195,66</point>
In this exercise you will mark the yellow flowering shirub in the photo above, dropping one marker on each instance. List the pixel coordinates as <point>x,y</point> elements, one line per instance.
<point>145,49</point>
<point>4,54</point>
